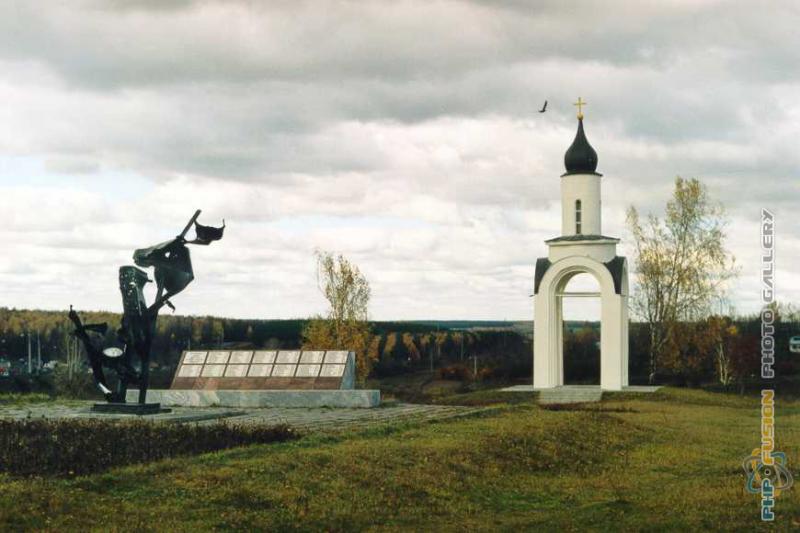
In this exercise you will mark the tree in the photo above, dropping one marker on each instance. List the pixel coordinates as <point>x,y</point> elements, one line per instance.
<point>725,337</point>
<point>681,264</point>
<point>346,325</point>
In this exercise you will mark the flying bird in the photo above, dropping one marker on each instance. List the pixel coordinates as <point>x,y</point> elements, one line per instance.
<point>544,107</point>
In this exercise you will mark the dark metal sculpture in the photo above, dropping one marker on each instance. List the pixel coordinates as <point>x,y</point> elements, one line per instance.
<point>173,272</point>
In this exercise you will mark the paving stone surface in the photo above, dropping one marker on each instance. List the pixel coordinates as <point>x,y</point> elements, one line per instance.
<point>307,419</point>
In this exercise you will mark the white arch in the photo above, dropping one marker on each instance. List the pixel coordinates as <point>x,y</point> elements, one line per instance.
<point>548,360</point>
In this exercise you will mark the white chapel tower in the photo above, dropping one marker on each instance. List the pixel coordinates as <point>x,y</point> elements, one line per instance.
<point>581,248</point>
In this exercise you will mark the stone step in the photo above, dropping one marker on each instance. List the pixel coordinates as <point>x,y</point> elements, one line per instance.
<point>569,395</point>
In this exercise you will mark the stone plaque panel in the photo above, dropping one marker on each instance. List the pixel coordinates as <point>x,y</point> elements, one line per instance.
<point>240,358</point>
<point>312,357</point>
<point>332,371</point>
<point>190,371</point>
<point>307,371</point>
<point>260,371</point>
<point>194,358</point>
<point>288,357</point>
<point>283,371</point>
<point>264,357</point>
<point>213,371</point>
<point>236,371</point>
<point>217,358</point>
<point>337,358</point>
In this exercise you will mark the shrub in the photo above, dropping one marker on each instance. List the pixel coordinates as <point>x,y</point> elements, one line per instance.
<point>454,373</point>
<point>77,384</point>
<point>40,447</point>
<point>485,374</point>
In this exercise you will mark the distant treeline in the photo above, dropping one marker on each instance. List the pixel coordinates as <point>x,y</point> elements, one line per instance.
<point>504,349</point>
<point>175,333</point>
<point>397,345</point>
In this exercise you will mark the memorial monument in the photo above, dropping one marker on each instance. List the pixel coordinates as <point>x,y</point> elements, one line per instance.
<point>173,273</point>
<point>581,248</point>
<point>266,378</point>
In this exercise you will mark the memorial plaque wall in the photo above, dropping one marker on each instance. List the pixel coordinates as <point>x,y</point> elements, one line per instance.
<point>265,370</point>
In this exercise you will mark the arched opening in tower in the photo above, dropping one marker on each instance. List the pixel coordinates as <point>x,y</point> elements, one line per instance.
<point>581,314</point>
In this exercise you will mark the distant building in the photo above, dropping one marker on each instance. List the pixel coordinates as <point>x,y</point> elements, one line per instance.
<point>794,344</point>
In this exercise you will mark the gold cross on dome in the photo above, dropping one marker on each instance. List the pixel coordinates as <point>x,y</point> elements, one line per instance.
<point>580,103</point>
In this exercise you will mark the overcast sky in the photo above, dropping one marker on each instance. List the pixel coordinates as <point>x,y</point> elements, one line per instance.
<point>404,135</point>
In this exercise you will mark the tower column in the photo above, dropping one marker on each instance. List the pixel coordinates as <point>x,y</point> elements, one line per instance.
<point>583,188</point>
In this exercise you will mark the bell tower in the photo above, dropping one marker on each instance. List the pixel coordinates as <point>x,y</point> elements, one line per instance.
<point>581,248</point>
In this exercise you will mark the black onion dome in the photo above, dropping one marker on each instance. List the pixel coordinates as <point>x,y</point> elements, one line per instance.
<point>580,157</point>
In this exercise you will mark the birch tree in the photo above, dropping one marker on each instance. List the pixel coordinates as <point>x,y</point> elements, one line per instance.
<point>681,265</point>
<point>346,325</point>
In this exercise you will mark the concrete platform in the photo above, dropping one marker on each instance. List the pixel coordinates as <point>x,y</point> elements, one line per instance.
<point>575,393</point>
<point>630,388</point>
<point>262,398</point>
<point>310,419</point>
<point>133,408</point>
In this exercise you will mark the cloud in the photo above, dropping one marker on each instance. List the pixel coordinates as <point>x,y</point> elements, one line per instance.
<point>404,135</point>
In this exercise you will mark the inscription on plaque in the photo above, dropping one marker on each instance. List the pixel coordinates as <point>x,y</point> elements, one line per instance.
<point>283,371</point>
<point>236,371</point>
<point>240,358</point>
<point>311,358</point>
<point>262,357</point>
<point>288,357</point>
<point>194,358</point>
<point>213,371</point>
<point>332,371</point>
<point>190,371</point>
<point>307,371</point>
<point>217,358</point>
<point>337,358</point>
<point>260,371</point>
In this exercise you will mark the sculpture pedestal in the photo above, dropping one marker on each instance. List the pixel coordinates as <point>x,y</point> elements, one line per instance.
<point>129,408</point>
<point>265,398</point>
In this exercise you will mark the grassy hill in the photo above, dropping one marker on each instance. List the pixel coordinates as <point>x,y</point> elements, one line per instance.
<point>663,462</point>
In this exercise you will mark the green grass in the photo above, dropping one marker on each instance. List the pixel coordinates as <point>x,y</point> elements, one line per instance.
<point>424,387</point>
<point>663,462</point>
<point>19,399</point>
<point>485,397</point>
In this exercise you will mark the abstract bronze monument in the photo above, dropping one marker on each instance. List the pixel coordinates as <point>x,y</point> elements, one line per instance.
<point>173,272</point>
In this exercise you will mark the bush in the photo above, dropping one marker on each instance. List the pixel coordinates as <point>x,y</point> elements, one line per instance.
<point>25,384</point>
<point>76,447</point>
<point>79,385</point>
<point>485,374</point>
<point>454,373</point>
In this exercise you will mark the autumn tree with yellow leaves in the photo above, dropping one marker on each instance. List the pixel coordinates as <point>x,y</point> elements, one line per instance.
<point>346,325</point>
<point>682,268</point>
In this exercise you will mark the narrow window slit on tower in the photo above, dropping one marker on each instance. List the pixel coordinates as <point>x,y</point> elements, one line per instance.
<point>578,217</point>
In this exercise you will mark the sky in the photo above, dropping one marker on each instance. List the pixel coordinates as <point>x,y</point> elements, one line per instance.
<point>402,134</point>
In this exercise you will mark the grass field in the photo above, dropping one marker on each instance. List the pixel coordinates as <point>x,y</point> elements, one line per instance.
<point>666,461</point>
